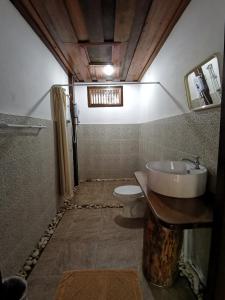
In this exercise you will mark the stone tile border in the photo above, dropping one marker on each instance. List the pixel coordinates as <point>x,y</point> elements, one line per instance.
<point>33,258</point>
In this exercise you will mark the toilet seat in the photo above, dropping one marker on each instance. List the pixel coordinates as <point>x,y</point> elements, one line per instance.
<point>133,191</point>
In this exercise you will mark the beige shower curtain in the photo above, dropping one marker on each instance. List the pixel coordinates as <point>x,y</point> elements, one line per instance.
<point>59,104</point>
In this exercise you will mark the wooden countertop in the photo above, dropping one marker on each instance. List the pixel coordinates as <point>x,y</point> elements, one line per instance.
<point>177,212</point>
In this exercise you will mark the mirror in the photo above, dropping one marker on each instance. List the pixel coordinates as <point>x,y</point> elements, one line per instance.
<point>203,86</point>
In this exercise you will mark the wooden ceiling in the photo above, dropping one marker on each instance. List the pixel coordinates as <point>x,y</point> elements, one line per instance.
<point>84,35</point>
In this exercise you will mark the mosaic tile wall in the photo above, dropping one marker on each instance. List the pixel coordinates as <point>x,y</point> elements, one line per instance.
<point>107,151</point>
<point>183,136</point>
<point>28,188</point>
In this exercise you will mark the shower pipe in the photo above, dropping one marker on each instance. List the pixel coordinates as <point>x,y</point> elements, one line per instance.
<point>109,83</point>
<point>113,83</point>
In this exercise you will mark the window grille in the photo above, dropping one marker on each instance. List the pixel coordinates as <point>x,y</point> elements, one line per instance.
<point>105,96</point>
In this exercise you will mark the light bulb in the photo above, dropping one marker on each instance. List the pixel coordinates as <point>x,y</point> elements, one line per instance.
<point>108,70</point>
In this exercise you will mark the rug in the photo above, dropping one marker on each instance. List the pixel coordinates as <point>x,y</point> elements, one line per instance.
<point>99,285</point>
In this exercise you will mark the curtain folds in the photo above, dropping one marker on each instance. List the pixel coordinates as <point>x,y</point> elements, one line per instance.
<point>59,105</point>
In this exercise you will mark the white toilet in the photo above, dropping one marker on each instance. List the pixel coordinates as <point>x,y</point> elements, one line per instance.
<point>132,197</point>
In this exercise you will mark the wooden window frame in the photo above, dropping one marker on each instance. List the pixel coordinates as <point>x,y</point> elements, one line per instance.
<point>90,88</point>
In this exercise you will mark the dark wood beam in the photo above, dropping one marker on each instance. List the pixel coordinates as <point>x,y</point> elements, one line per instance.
<point>141,11</point>
<point>162,17</point>
<point>165,35</point>
<point>77,19</point>
<point>92,11</point>
<point>108,12</point>
<point>77,57</point>
<point>56,18</point>
<point>124,18</point>
<point>89,44</point>
<point>30,15</point>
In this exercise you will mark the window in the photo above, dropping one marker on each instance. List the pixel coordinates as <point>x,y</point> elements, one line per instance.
<point>105,96</point>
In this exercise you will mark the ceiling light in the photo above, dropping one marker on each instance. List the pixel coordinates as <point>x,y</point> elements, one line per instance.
<point>108,70</point>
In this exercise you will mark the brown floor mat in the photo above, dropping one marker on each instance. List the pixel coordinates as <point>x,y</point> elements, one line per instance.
<point>99,285</point>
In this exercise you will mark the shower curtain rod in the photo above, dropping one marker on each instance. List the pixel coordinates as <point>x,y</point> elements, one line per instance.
<point>111,83</point>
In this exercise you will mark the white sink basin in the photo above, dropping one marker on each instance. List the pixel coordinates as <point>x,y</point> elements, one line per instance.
<point>176,179</point>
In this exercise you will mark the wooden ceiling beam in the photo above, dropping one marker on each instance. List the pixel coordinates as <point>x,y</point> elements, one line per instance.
<point>141,11</point>
<point>92,11</point>
<point>108,16</point>
<point>89,44</point>
<point>56,16</point>
<point>29,13</point>
<point>118,54</point>
<point>125,12</point>
<point>77,19</point>
<point>162,17</point>
<point>124,18</point>
<point>165,35</point>
<point>78,59</point>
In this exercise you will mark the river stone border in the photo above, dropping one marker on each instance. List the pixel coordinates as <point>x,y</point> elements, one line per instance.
<point>107,179</point>
<point>187,271</point>
<point>33,258</point>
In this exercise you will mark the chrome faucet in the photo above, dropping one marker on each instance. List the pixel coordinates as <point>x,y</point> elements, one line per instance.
<point>196,162</point>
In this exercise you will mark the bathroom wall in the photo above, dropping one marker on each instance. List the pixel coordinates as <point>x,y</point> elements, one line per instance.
<point>28,69</point>
<point>197,35</point>
<point>107,150</point>
<point>108,136</point>
<point>170,130</point>
<point>29,193</point>
<point>126,114</point>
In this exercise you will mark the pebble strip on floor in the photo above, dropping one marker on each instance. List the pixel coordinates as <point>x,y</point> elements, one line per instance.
<point>108,179</point>
<point>186,270</point>
<point>32,260</point>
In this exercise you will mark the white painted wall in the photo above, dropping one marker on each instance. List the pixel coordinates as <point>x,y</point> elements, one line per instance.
<point>27,68</point>
<point>198,34</point>
<point>127,114</point>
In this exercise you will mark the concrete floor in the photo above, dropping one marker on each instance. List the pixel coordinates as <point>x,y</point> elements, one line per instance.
<point>96,239</point>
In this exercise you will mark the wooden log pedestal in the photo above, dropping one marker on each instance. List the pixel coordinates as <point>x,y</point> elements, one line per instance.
<point>165,220</point>
<point>161,252</point>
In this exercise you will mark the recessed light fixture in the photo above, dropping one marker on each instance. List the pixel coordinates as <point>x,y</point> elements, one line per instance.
<point>108,70</point>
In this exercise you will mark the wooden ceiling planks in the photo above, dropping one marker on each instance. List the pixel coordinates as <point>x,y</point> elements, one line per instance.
<point>161,16</point>
<point>118,54</point>
<point>108,19</point>
<point>124,18</point>
<point>30,13</point>
<point>78,59</point>
<point>77,19</point>
<point>55,15</point>
<point>75,56</point>
<point>141,11</point>
<point>81,33</point>
<point>165,35</point>
<point>92,11</point>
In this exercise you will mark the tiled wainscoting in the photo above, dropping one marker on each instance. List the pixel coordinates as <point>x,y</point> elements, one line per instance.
<point>28,188</point>
<point>107,151</point>
<point>117,150</point>
<point>183,136</point>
